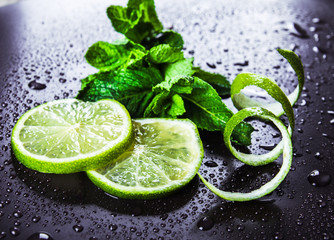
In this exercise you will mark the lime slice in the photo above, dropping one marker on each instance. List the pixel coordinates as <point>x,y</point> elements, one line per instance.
<point>69,135</point>
<point>166,155</point>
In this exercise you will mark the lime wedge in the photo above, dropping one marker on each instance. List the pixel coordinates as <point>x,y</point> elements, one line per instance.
<point>165,156</point>
<point>69,135</point>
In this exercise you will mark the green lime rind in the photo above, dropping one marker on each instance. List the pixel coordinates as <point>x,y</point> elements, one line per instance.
<point>131,175</point>
<point>78,163</point>
<point>283,103</point>
<point>241,101</point>
<point>297,66</point>
<point>286,164</point>
<point>249,159</point>
<point>134,193</point>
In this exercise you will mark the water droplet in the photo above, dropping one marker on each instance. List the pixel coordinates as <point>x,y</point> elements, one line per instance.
<point>300,31</point>
<point>316,37</point>
<point>210,163</point>
<point>78,228</point>
<point>205,223</point>
<point>113,227</point>
<point>164,216</point>
<point>211,65</point>
<point>327,136</point>
<point>322,203</point>
<point>240,227</point>
<point>267,147</point>
<point>36,219</point>
<point>17,223</point>
<point>303,102</point>
<point>241,64</point>
<point>276,135</point>
<point>17,214</point>
<point>36,86</point>
<point>14,231</point>
<point>316,20</point>
<point>315,49</point>
<point>319,50</point>
<point>62,80</point>
<point>279,236</point>
<point>312,29</point>
<point>2,235</point>
<point>319,179</point>
<point>326,236</point>
<point>318,155</point>
<point>40,236</point>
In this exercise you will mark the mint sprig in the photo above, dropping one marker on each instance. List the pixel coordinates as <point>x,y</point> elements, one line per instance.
<point>148,73</point>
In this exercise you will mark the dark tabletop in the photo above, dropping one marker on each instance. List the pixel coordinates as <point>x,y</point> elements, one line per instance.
<point>42,47</point>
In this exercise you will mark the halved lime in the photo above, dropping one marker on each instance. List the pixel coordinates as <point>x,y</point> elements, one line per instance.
<point>165,156</point>
<point>69,135</point>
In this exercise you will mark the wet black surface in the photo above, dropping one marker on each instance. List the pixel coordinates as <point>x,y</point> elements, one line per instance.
<point>42,44</point>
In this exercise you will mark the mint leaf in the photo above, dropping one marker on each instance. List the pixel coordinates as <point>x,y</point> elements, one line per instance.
<point>149,15</point>
<point>137,21</point>
<point>158,106</point>
<point>179,69</point>
<point>169,37</point>
<point>133,88</point>
<point>167,102</point>
<point>177,106</point>
<point>181,85</point>
<point>95,87</point>
<point>172,38</point>
<point>205,108</point>
<point>164,53</point>
<point>122,18</point>
<point>217,81</point>
<point>111,56</point>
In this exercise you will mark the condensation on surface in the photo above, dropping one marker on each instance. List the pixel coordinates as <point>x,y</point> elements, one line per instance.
<point>42,59</point>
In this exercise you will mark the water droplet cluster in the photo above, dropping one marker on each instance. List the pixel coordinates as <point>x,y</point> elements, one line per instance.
<point>44,61</point>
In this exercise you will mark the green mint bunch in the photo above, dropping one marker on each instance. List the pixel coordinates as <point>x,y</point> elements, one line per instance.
<point>148,73</point>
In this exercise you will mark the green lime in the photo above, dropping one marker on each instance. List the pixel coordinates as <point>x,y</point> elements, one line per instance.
<point>165,156</point>
<point>69,135</point>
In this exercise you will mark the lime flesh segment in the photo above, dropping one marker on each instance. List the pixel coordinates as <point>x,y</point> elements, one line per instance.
<point>165,156</point>
<point>69,135</point>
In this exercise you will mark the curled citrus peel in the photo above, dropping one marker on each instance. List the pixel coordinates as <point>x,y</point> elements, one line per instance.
<point>267,112</point>
<point>287,156</point>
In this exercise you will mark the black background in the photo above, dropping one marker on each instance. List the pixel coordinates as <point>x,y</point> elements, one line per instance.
<point>45,42</point>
